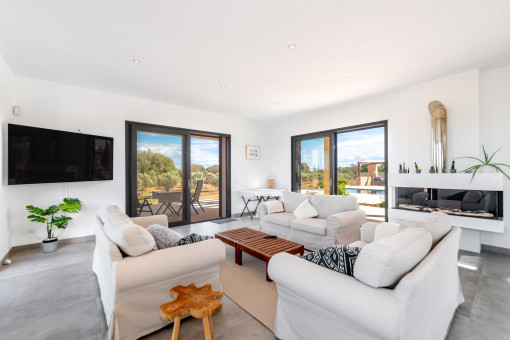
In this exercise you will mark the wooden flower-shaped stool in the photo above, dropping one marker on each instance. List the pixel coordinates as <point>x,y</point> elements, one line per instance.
<point>198,302</point>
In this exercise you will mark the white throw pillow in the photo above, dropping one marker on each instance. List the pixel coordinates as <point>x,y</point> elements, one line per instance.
<point>437,223</point>
<point>132,239</point>
<point>384,229</point>
<point>384,262</point>
<point>305,210</point>
<point>274,207</point>
<point>114,209</point>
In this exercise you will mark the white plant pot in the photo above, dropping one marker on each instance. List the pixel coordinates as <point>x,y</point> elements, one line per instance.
<point>49,246</point>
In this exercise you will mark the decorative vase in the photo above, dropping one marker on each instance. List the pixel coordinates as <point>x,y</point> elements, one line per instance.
<point>453,171</point>
<point>270,184</point>
<point>418,171</point>
<point>49,246</point>
<point>432,171</point>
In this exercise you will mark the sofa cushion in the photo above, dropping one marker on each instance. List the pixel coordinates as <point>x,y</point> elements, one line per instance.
<point>119,218</point>
<point>359,244</point>
<point>384,229</point>
<point>114,209</point>
<point>338,258</point>
<point>291,200</point>
<point>332,204</point>
<point>305,210</point>
<point>384,262</point>
<point>132,239</point>
<point>310,225</point>
<point>164,236</point>
<point>274,207</point>
<point>283,218</point>
<point>437,223</point>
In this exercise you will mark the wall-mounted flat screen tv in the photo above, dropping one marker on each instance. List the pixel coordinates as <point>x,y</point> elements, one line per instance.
<point>37,155</point>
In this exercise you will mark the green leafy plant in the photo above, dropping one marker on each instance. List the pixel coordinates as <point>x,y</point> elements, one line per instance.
<point>453,165</point>
<point>400,167</point>
<point>47,216</point>
<point>432,167</point>
<point>340,188</point>
<point>486,161</point>
<point>416,166</point>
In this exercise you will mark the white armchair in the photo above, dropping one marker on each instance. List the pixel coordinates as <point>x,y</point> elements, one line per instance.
<point>133,287</point>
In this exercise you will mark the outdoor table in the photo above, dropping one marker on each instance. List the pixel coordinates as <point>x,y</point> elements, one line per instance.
<point>259,196</point>
<point>167,198</point>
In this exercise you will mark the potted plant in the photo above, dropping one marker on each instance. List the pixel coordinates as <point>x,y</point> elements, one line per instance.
<point>418,170</point>
<point>400,168</point>
<point>452,169</point>
<point>485,164</point>
<point>432,170</point>
<point>52,222</point>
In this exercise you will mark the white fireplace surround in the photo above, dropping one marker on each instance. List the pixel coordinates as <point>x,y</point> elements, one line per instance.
<point>472,226</point>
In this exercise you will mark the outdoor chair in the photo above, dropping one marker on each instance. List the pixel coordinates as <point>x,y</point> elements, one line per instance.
<point>145,203</point>
<point>195,197</point>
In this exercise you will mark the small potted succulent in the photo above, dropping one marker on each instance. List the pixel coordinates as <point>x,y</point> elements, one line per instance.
<point>432,170</point>
<point>52,222</point>
<point>452,169</point>
<point>418,170</point>
<point>400,169</point>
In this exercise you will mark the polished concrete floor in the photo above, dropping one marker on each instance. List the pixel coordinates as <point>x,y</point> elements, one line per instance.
<point>55,296</point>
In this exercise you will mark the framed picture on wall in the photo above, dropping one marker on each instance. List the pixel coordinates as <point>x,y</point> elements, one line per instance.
<point>252,152</point>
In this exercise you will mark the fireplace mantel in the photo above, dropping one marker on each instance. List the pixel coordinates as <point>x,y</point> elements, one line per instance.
<point>481,181</point>
<point>458,181</point>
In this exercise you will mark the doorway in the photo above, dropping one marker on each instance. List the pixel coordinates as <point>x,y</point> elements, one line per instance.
<point>183,174</point>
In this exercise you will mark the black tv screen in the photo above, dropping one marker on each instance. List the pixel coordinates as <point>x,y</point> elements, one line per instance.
<point>38,155</point>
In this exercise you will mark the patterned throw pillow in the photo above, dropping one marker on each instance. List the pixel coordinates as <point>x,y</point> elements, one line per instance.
<point>192,238</point>
<point>338,258</point>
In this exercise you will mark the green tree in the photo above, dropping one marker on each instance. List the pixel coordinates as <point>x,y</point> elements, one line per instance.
<point>195,177</point>
<point>215,169</point>
<point>212,179</point>
<point>340,188</point>
<point>169,179</point>
<point>155,169</point>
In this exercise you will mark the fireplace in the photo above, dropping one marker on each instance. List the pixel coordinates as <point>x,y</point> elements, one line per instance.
<point>485,204</point>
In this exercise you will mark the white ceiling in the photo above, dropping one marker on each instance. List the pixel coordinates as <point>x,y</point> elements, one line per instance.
<point>189,48</point>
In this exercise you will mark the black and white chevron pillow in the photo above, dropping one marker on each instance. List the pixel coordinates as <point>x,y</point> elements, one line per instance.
<point>192,238</point>
<point>338,258</point>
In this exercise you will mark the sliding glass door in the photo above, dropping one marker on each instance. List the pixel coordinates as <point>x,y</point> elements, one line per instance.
<point>312,164</point>
<point>344,161</point>
<point>176,172</point>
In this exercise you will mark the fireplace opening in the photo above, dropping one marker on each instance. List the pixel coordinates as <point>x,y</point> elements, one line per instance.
<point>471,203</point>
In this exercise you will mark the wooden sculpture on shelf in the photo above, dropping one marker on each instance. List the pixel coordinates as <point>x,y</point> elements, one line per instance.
<point>438,116</point>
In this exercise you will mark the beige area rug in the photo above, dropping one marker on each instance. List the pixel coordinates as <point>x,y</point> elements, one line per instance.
<point>246,285</point>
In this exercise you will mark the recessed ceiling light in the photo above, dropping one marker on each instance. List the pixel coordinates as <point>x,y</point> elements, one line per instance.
<point>277,102</point>
<point>293,46</point>
<point>222,86</point>
<point>137,61</point>
<point>348,78</point>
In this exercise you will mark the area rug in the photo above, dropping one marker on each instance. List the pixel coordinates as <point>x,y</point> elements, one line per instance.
<point>246,285</point>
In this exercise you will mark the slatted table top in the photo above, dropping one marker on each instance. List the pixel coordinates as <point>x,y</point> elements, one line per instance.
<point>267,247</point>
<point>238,235</point>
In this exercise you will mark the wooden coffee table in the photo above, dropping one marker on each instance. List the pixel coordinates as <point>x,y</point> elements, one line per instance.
<point>253,242</point>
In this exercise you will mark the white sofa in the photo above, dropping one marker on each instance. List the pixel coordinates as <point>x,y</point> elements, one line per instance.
<point>133,287</point>
<point>318,303</point>
<point>338,222</point>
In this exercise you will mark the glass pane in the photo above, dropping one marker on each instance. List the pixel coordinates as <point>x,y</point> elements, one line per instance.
<point>360,169</point>
<point>314,165</point>
<point>159,174</point>
<point>205,167</point>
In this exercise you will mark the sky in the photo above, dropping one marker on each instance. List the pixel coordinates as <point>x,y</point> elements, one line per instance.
<point>203,151</point>
<point>354,146</point>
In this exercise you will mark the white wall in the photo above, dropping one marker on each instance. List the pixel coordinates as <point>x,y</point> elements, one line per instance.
<point>495,132</point>
<point>409,131</point>
<point>6,83</point>
<point>63,107</point>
